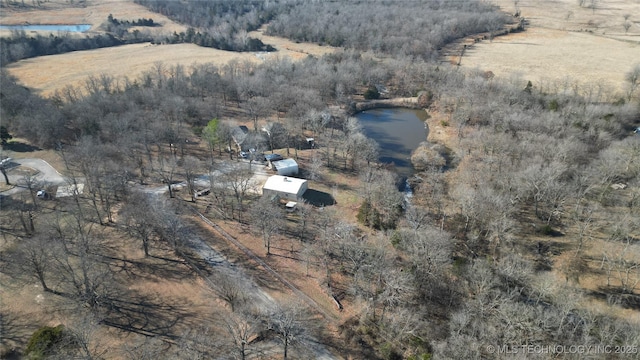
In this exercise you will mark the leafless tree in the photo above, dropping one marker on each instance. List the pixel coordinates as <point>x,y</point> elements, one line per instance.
<point>191,167</point>
<point>238,178</point>
<point>32,184</point>
<point>84,334</point>
<point>166,168</point>
<point>147,348</point>
<point>199,343</point>
<point>288,321</point>
<point>36,257</point>
<point>139,218</point>
<point>3,170</point>
<point>171,228</point>
<point>229,288</point>
<point>241,327</point>
<point>304,214</point>
<point>258,107</point>
<point>633,79</point>
<point>267,220</point>
<point>315,166</point>
<point>621,260</point>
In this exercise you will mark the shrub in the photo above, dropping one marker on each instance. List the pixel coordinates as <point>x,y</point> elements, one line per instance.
<point>426,356</point>
<point>389,353</point>
<point>396,238</point>
<point>44,341</point>
<point>368,215</point>
<point>371,93</point>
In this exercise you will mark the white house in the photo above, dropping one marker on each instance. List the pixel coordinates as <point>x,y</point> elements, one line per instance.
<point>285,187</point>
<point>285,167</point>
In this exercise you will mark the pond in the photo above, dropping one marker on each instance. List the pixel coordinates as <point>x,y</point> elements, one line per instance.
<point>51,28</point>
<point>398,131</point>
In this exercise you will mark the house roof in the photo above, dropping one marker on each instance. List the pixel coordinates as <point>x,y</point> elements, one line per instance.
<point>239,133</point>
<point>284,184</point>
<point>286,163</point>
<point>273,157</point>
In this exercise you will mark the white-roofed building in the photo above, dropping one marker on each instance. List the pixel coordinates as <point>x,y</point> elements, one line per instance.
<point>285,187</point>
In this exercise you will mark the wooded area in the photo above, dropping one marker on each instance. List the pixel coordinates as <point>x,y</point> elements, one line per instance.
<point>520,236</point>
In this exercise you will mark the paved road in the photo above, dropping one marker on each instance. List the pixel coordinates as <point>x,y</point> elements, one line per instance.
<point>259,170</point>
<point>45,174</point>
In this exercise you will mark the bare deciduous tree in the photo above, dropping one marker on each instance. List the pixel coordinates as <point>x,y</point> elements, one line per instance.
<point>267,220</point>
<point>36,257</point>
<point>633,79</point>
<point>139,218</point>
<point>166,169</point>
<point>241,327</point>
<point>191,167</point>
<point>288,321</point>
<point>229,288</point>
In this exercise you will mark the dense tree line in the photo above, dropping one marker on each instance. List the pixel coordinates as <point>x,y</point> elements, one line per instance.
<point>247,15</point>
<point>390,28</point>
<point>129,23</point>
<point>21,45</point>
<point>415,29</point>
<point>239,42</point>
<point>218,24</point>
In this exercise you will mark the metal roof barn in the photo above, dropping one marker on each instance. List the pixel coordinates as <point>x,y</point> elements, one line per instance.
<point>285,167</point>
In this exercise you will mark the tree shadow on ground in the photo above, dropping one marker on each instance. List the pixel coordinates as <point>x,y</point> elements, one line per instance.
<point>150,267</point>
<point>18,146</point>
<point>140,314</point>
<point>615,296</point>
<point>318,198</point>
<point>15,330</point>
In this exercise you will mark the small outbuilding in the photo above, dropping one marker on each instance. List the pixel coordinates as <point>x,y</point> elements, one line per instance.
<point>284,187</point>
<point>286,167</point>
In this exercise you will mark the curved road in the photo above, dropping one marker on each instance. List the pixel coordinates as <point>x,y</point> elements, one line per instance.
<point>45,174</point>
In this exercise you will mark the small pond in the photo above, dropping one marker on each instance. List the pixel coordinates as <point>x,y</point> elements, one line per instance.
<point>52,28</point>
<point>398,131</point>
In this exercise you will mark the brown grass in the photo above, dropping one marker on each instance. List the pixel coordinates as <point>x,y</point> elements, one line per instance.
<point>564,45</point>
<point>161,282</point>
<point>47,74</point>
<point>93,12</point>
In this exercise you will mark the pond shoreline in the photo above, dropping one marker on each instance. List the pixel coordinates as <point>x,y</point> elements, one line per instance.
<point>438,130</point>
<point>406,102</point>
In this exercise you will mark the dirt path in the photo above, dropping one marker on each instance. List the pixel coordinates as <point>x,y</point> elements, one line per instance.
<point>312,303</point>
<point>264,300</point>
<point>260,298</point>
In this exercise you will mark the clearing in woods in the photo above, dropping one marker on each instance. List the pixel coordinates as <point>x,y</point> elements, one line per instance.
<point>564,45</point>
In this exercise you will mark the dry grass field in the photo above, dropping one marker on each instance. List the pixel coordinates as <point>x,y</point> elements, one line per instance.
<point>93,12</point>
<point>564,45</point>
<point>47,74</point>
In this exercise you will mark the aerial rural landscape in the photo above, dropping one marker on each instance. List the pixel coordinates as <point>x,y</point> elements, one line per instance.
<point>291,179</point>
